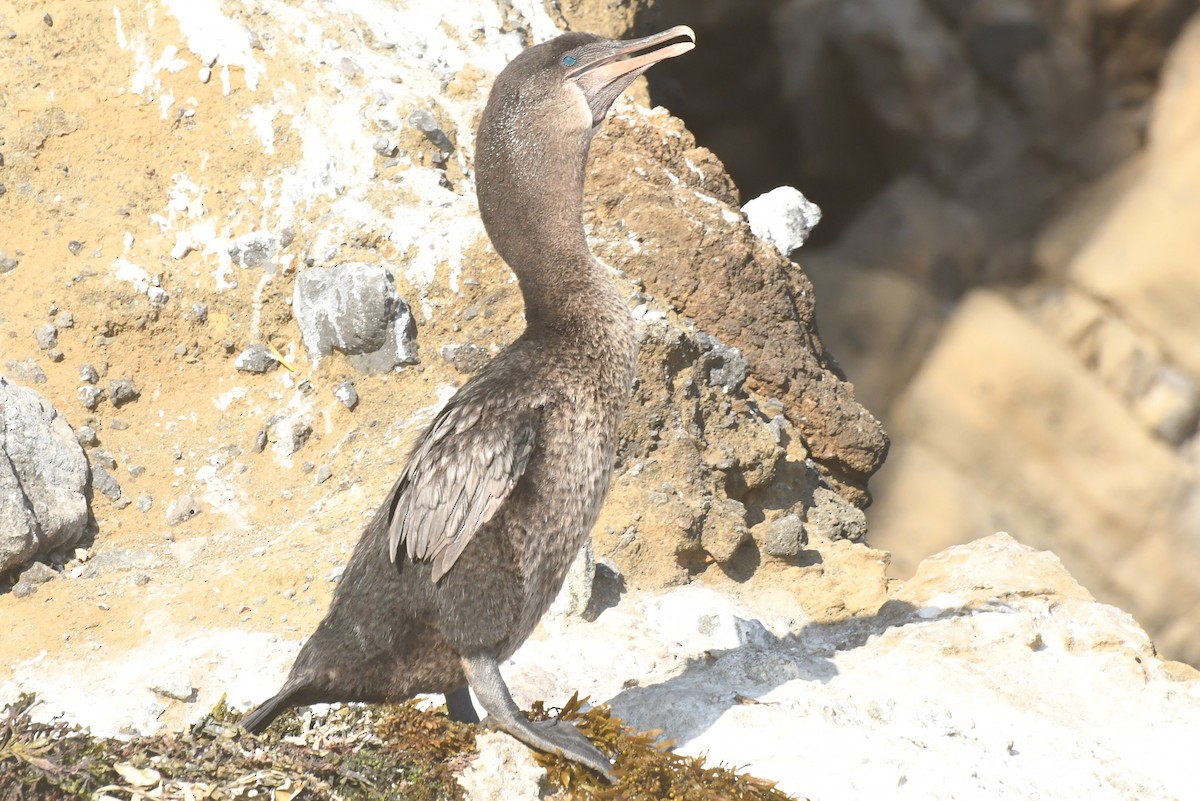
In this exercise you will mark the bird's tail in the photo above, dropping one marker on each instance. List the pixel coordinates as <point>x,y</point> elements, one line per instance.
<point>258,720</point>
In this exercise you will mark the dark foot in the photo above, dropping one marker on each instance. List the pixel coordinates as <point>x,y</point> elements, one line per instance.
<point>459,706</point>
<point>551,736</point>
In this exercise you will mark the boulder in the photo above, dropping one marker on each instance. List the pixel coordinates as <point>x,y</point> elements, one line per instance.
<point>43,478</point>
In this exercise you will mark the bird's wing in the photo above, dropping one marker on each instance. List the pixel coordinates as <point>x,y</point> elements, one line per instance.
<point>461,471</point>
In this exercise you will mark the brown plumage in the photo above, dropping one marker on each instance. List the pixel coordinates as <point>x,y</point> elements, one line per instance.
<point>475,538</point>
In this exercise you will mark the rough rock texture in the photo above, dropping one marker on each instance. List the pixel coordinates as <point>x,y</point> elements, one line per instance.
<point>43,479</point>
<point>712,270</point>
<point>990,674</point>
<point>324,138</point>
<point>1036,153</point>
<point>354,309</point>
<point>1072,405</point>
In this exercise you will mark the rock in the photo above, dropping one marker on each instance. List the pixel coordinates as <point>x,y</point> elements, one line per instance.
<point>257,358</point>
<point>786,537</point>
<point>504,771</point>
<point>43,476</point>
<point>26,370</point>
<point>323,474</point>
<point>105,484</point>
<point>752,298</point>
<point>38,573</point>
<point>347,394</point>
<point>7,263</point>
<point>353,308</point>
<point>784,217</point>
<point>174,687</point>
<point>145,503</point>
<point>424,122</point>
<point>724,529</point>
<point>255,249</point>
<point>289,435</point>
<point>200,312</point>
<point>182,509</point>
<point>46,335</point>
<point>117,424</point>
<point>102,458</point>
<point>86,436</point>
<point>978,450</point>
<point>88,374</point>
<point>90,396</point>
<point>991,655</point>
<point>122,391</point>
<point>832,518</point>
<point>725,365</point>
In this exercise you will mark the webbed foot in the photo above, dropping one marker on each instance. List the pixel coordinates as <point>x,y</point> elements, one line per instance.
<point>550,736</point>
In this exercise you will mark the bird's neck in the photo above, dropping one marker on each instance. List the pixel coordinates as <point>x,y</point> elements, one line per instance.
<point>531,203</point>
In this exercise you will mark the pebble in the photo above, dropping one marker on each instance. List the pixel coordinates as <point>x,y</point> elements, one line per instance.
<point>177,688</point>
<point>103,606</point>
<point>38,573</point>
<point>102,458</point>
<point>289,593</point>
<point>136,470</point>
<point>26,370</point>
<point>205,74</point>
<point>88,374</point>
<point>786,537</point>
<point>122,391</point>
<point>64,319</point>
<point>123,502</point>
<point>89,396</point>
<point>118,424</point>
<point>324,474</point>
<point>181,350</point>
<point>347,393</point>
<point>384,146</point>
<point>103,481</point>
<point>141,579</point>
<point>49,20</point>
<point>200,312</point>
<point>46,335</point>
<point>424,122</point>
<point>7,263</point>
<point>86,436</point>
<point>256,359</point>
<point>75,246</point>
<point>55,355</point>
<point>182,509</point>
<point>145,503</point>
<point>307,467</point>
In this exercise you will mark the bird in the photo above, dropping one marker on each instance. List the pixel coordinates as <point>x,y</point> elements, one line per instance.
<point>474,539</point>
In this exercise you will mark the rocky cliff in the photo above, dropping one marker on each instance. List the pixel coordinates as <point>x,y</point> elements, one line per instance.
<point>242,260</point>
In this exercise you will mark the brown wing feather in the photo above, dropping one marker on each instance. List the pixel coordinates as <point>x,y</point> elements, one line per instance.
<point>461,471</point>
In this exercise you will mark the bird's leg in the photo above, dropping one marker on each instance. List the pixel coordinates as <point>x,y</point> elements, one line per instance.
<point>459,706</point>
<point>551,736</point>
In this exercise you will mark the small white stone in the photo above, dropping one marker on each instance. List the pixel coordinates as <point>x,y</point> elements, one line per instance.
<point>205,74</point>
<point>783,217</point>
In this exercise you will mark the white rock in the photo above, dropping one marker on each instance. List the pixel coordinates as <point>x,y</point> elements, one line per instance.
<point>783,217</point>
<point>504,771</point>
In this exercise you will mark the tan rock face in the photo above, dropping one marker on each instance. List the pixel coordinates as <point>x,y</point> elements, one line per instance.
<point>130,181</point>
<point>734,286</point>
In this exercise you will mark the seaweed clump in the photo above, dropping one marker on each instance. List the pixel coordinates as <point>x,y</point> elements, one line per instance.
<point>335,756</point>
<point>350,753</point>
<point>647,769</point>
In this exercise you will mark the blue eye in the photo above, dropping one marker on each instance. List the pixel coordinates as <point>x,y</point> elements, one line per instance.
<point>569,61</point>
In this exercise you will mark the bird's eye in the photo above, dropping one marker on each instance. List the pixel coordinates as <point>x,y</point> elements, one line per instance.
<point>569,61</point>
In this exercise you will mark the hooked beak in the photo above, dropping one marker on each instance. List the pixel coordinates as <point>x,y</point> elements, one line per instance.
<point>606,72</point>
